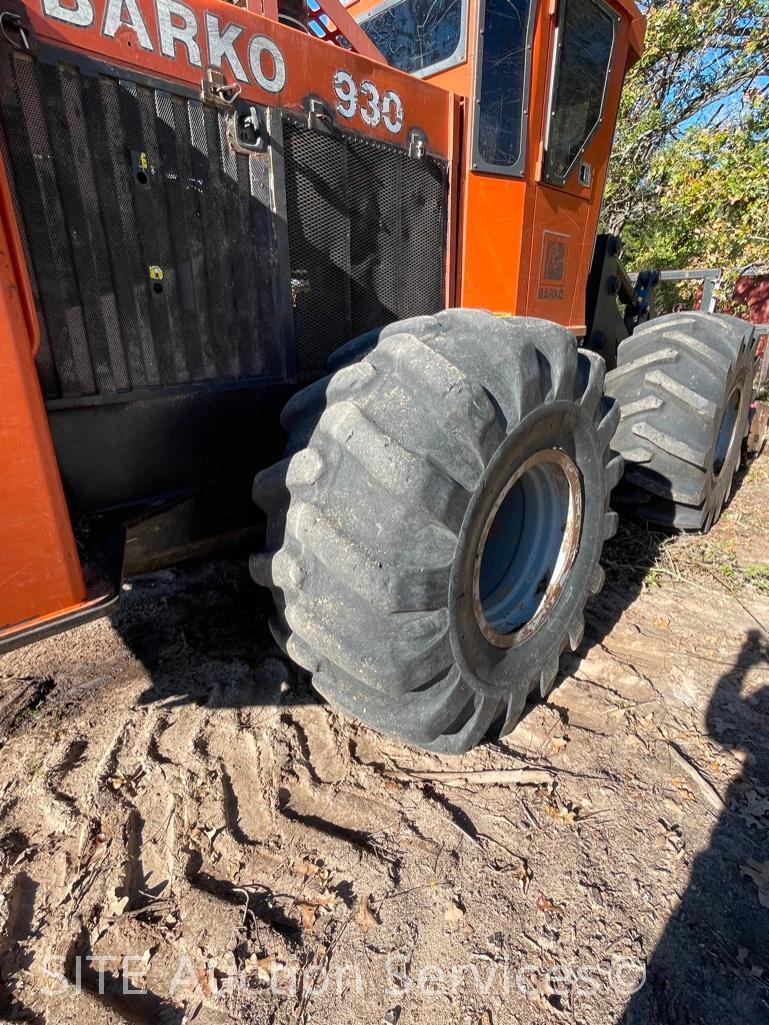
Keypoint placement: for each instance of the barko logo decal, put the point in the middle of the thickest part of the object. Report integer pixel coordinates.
(555, 251)
(181, 36)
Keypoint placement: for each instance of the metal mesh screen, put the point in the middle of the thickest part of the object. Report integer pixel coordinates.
(150, 242)
(367, 228)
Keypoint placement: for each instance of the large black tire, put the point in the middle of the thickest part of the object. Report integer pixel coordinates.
(684, 386)
(376, 514)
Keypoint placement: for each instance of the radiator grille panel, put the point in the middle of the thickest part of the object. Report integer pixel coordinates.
(113, 179)
(94, 223)
(366, 227)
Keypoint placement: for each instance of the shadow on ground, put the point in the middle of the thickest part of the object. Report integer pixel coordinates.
(201, 632)
(201, 629)
(707, 967)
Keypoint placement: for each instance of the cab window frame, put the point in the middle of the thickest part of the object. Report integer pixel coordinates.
(547, 175)
(458, 56)
(516, 169)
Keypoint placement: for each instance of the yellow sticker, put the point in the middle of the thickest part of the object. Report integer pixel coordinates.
(143, 162)
(156, 273)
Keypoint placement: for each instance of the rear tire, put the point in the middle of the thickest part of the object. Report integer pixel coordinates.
(684, 386)
(455, 436)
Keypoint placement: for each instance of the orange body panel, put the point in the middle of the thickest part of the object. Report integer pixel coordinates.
(511, 224)
(40, 573)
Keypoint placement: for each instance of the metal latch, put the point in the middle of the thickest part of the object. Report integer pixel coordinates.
(319, 115)
(216, 90)
(417, 143)
(247, 130)
(300, 285)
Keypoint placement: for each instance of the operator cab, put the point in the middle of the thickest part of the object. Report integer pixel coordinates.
(426, 38)
(539, 84)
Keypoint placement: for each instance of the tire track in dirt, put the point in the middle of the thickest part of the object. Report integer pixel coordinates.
(17, 918)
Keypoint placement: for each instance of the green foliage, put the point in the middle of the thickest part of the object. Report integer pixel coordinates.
(713, 205)
(757, 573)
(689, 178)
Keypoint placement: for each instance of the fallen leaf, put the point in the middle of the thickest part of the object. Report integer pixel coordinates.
(744, 968)
(307, 868)
(227, 965)
(311, 910)
(263, 967)
(754, 809)
(364, 917)
(549, 906)
(759, 873)
(566, 814)
(117, 907)
(681, 786)
(540, 991)
(453, 914)
(308, 913)
(524, 876)
(206, 980)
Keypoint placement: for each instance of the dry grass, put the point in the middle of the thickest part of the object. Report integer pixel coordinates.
(646, 557)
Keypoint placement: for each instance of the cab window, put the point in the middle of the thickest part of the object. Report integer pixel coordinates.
(418, 35)
(583, 56)
(502, 84)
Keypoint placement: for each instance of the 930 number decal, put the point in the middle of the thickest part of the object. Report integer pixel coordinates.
(365, 100)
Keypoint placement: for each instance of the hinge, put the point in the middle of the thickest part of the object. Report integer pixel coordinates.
(540, 167)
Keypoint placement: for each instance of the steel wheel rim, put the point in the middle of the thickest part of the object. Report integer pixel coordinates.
(727, 431)
(527, 548)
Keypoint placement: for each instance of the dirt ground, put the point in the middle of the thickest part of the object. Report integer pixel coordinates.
(180, 815)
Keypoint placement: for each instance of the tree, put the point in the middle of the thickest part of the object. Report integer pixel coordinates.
(689, 177)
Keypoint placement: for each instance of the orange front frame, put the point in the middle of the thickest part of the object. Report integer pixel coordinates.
(39, 566)
(273, 65)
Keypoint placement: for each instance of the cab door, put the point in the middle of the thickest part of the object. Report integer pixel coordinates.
(587, 66)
